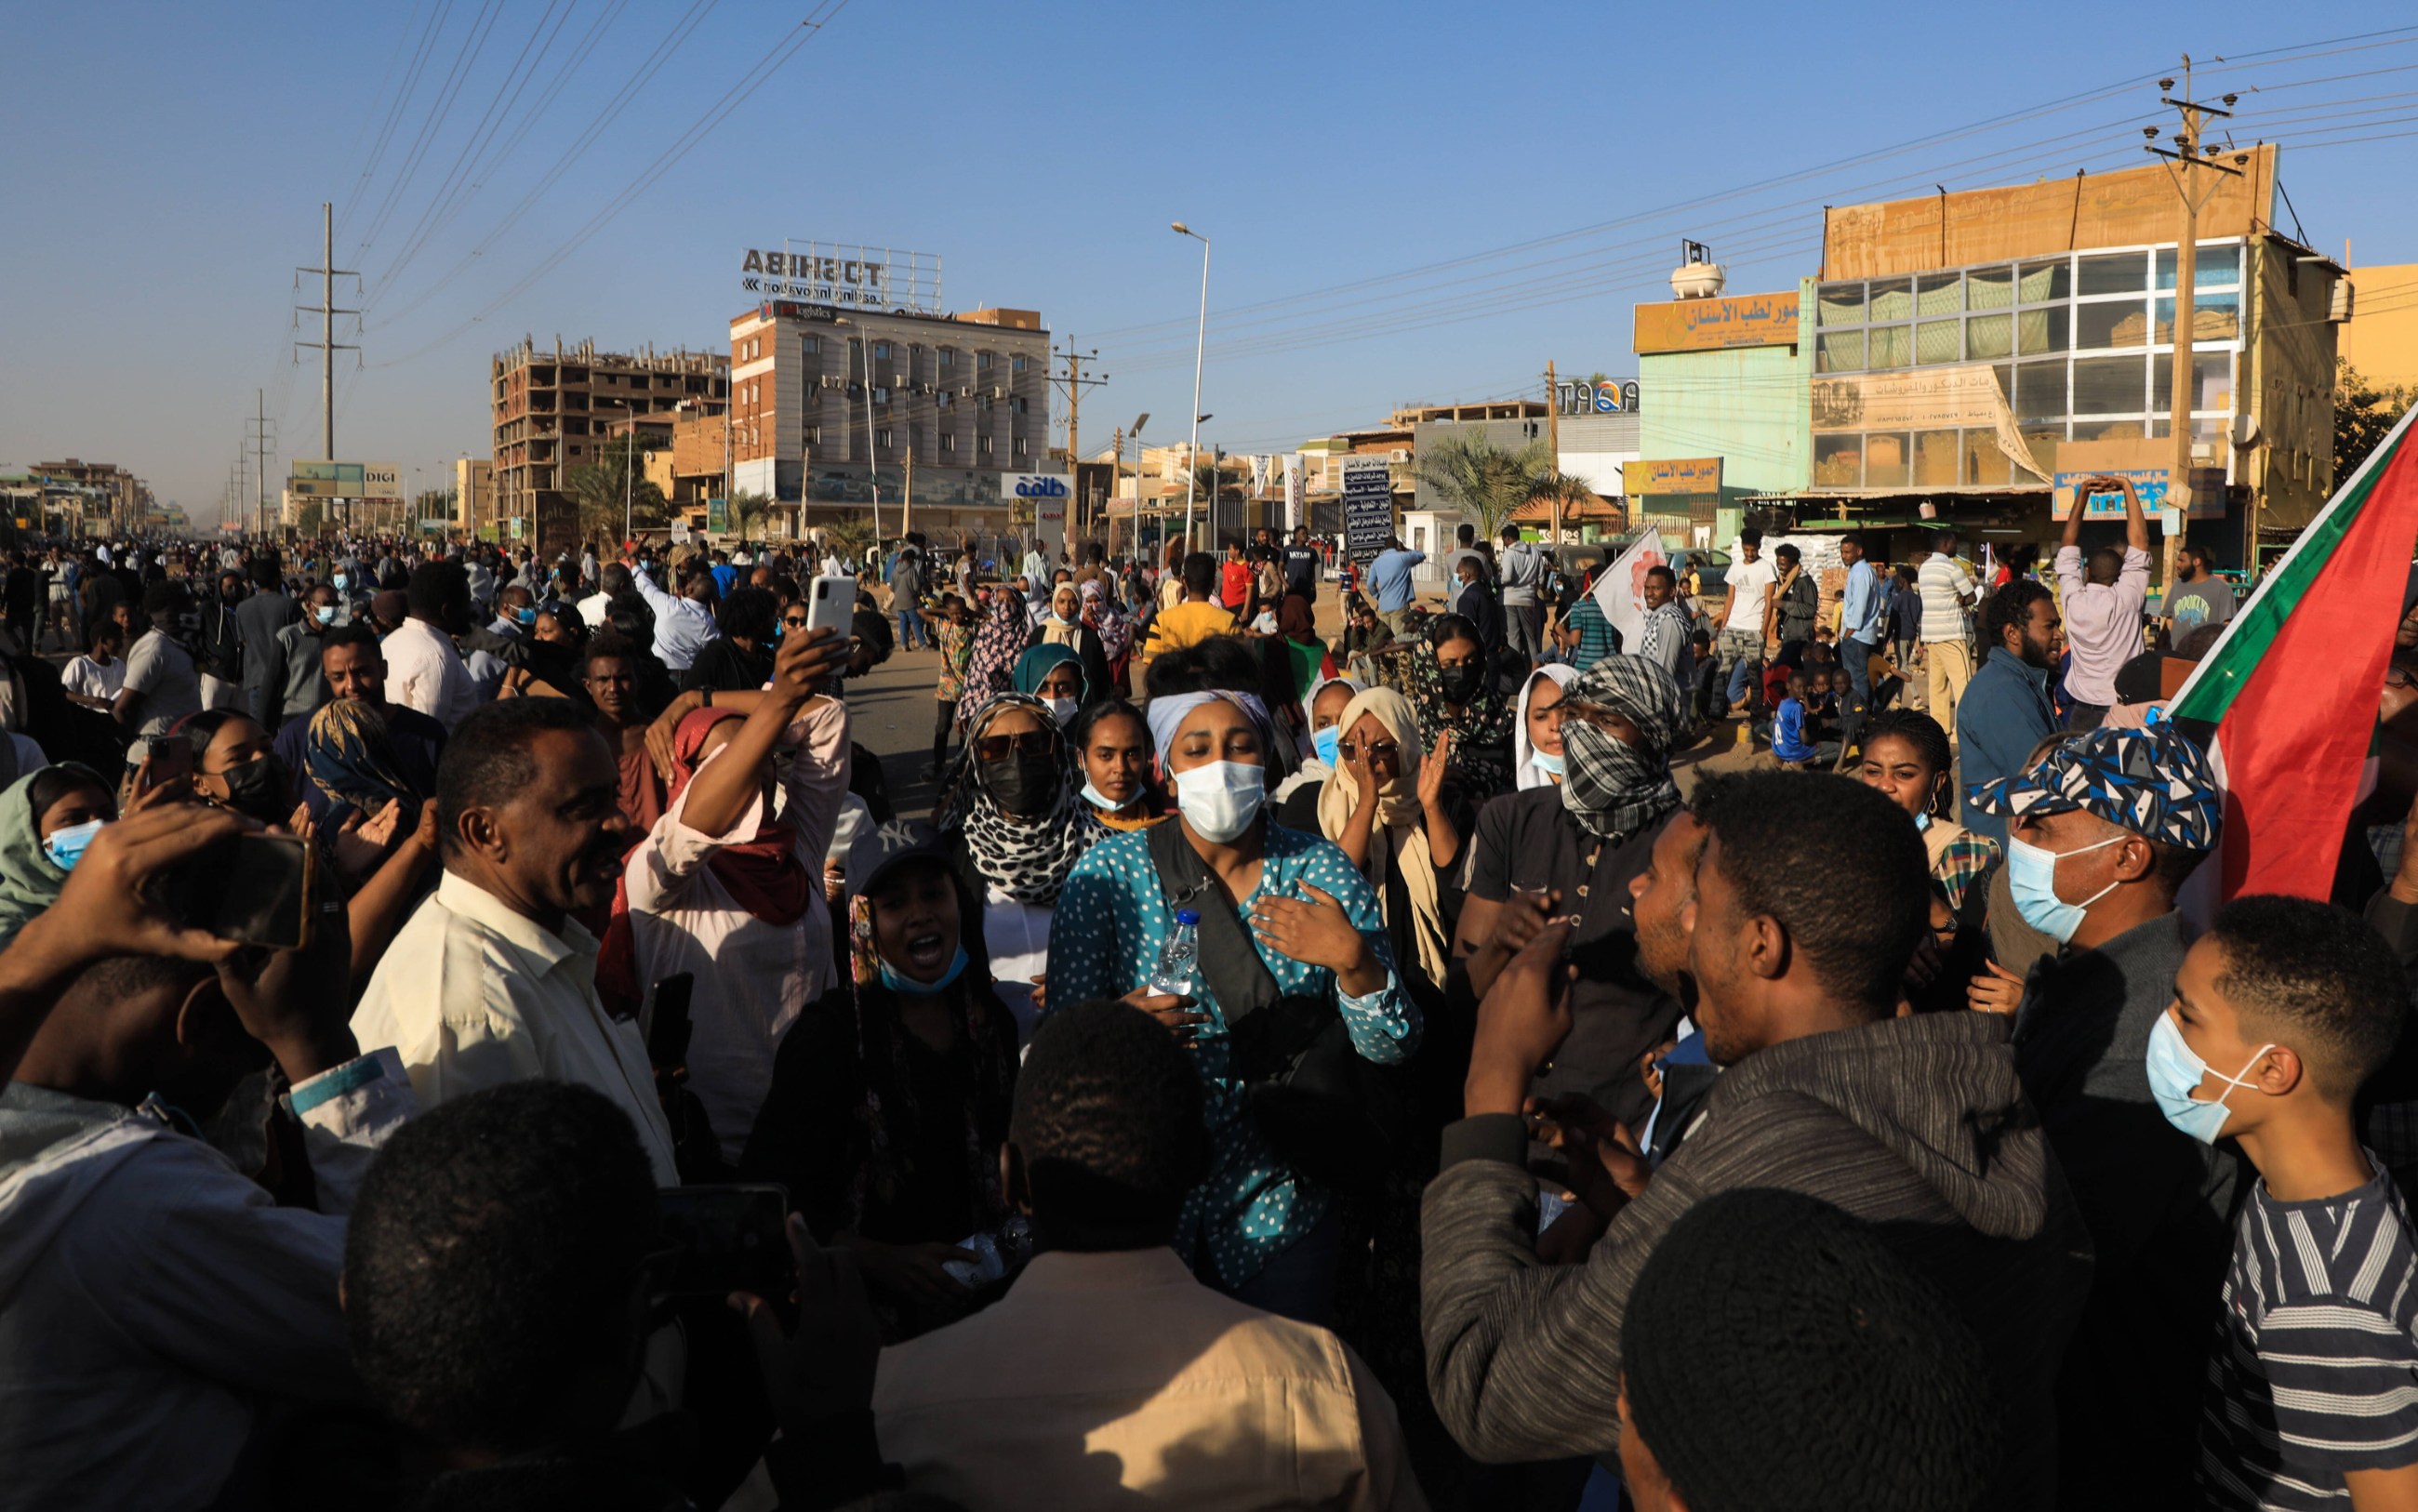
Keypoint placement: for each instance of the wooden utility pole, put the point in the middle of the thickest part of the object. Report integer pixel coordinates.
(1553, 439)
(2190, 153)
(1072, 383)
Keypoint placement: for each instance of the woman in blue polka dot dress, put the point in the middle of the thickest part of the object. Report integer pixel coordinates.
(1254, 1227)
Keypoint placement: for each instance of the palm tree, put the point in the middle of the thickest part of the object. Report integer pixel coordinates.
(748, 506)
(1564, 491)
(613, 484)
(851, 537)
(1483, 481)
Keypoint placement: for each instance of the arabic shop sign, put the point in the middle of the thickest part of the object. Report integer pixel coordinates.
(1672, 475)
(1711, 324)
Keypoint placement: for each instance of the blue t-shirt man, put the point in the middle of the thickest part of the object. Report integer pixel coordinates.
(725, 578)
(1390, 575)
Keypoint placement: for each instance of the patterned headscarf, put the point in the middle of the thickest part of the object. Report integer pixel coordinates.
(1107, 622)
(1612, 788)
(351, 758)
(1026, 859)
(1398, 840)
(992, 662)
(1479, 731)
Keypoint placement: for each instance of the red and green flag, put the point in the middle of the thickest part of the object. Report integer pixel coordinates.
(2292, 685)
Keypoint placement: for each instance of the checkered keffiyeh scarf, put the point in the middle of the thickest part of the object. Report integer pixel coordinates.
(1614, 789)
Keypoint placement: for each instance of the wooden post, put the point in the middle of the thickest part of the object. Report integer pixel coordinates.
(1554, 442)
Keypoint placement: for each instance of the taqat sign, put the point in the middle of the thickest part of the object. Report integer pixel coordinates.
(1034, 485)
(844, 275)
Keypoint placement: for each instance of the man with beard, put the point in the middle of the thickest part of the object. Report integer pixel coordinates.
(1915, 1124)
(493, 979)
(354, 669)
(2005, 710)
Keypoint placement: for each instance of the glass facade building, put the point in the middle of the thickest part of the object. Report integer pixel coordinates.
(2080, 344)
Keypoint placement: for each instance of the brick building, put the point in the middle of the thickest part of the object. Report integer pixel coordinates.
(551, 412)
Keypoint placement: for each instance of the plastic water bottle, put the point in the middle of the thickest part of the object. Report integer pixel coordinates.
(1174, 974)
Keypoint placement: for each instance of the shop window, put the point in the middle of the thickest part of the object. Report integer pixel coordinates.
(2040, 392)
(1938, 340)
(2045, 281)
(1890, 346)
(2215, 317)
(1889, 299)
(2212, 267)
(1887, 461)
(1838, 461)
(2211, 382)
(1940, 293)
(2043, 441)
(2116, 323)
(1841, 304)
(2041, 331)
(1838, 351)
(1935, 459)
(2110, 386)
(1985, 465)
(1990, 288)
(1988, 338)
(2113, 273)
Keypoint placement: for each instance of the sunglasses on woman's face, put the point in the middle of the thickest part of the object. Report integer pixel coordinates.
(794, 621)
(996, 747)
(1377, 750)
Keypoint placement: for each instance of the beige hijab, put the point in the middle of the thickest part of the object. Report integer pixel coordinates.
(1055, 632)
(1400, 836)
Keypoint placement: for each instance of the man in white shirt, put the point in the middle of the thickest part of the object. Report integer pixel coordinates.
(597, 608)
(1748, 618)
(684, 622)
(425, 669)
(163, 685)
(1948, 597)
(491, 979)
(1108, 1376)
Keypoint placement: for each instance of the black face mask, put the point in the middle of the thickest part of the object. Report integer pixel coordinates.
(1023, 785)
(1460, 683)
(261, 789)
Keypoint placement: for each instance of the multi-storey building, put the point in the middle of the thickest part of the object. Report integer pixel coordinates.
(474, 493)
(549, 412)
(829, 404)
(124, 500)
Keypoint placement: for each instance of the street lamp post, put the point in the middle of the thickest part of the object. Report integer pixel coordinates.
(1140, 420)
(1200, 350)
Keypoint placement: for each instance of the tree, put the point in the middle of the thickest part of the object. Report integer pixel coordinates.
(1483, 481)
(748, 507)
(2365, 414)
(851, 537)
(431, 502)
(612, 483)
(1568, 490)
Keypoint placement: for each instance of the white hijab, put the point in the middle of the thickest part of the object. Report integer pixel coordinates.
(1523, 756)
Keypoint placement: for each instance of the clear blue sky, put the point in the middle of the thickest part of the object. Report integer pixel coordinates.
(169, 160)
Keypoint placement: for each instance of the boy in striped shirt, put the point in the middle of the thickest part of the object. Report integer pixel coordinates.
(2281, 1011)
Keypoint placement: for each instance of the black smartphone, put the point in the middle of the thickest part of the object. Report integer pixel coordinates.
(725, 1239)
(252, 887)
(668, 1029)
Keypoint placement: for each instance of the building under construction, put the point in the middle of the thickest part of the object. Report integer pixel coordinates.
(551, 413)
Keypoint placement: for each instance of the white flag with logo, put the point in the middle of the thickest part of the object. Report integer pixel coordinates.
(1620, 589)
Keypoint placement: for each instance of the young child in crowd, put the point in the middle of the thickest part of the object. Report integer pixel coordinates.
(953, 624)
(1791, 743)
(2282, 1011)
(1712, 678)
(94, 681)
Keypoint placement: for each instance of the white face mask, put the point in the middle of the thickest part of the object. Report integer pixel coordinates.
(1063, 710)
(1220, 799)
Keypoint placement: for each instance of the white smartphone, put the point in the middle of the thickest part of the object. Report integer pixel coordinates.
(831, 603)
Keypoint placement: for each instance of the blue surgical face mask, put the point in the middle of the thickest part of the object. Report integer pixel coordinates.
(1923, 821)
(325, 614)
(66, 846)
(341, 582)
(1324, 742)
(525, 618)
(1548, 763)
(907, 986)
(2174, 1073)
(2031, 877)
(1099, 800)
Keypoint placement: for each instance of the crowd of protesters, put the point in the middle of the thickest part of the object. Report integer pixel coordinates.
(1323, 1049)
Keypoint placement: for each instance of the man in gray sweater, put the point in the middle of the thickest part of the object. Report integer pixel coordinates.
(1918, 1125)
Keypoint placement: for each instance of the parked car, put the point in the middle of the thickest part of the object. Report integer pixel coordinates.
(1712, 566)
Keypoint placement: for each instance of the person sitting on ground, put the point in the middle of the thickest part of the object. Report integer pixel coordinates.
(156, 1301)
(1790, 744)
(1916, 1124)
(1108, 1351)
(497, 1278)
(1775, 1349)
(2282, 1012)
